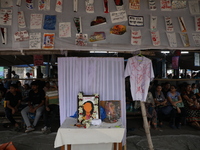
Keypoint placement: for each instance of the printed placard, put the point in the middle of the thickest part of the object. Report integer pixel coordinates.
(89, 6)
(59, 4)
(196, 59)
(165, 5)
(38, 60)
(179, 4)
(48, 40)
(153, 23)
(136, 21)
(185, 39)
(197, 23)
(81, 39)
(49, 22)
(196, 38)
(134, 4)
(29, 4)
(182, 24)
(194, 7)
(118, 16)
(155, 37)
(35, 41)
(152, 4)
(169, 24)
(64, 29)
(5, 17)
(21, 20)
(6, 3)
(172, 39)
(136, 37)
(44, 5)
(36, 21)
(21, 36)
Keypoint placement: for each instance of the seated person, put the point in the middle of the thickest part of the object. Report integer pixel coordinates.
(36, 100)
(51, 109)
(12, 99)
(178, 112)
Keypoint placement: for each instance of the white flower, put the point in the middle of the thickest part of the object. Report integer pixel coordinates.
(87, 124)
(80, 109)
(95, 108)
(80, 103)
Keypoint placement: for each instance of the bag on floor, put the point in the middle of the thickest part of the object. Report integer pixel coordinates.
(7, 146)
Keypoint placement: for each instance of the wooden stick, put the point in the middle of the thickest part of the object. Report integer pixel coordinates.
(146, 126)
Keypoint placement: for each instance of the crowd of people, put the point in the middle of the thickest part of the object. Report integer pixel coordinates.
(177, 104)
(34, 99)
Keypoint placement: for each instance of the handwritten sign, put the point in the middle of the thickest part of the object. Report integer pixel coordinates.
(134, 4)
(196, 38)
(197, 23)
(136, 37)
(155, 38)
(172, 39)
(21, 36)
(136, 21)
(35, 41)
(118, 16)
(5, 17)
(169, 24)
(185, 39)
(21, 20)
(36, 21)
(59, 4)
(165, 5)
(64, 29)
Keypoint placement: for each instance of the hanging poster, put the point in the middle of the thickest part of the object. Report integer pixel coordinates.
(6, 3)
(59, 4)
(185, 39)
(175, 62)
(172, 39)
(136, 21)
(29, 4)
(155, 37)
(97, 36)
(99, 20)
(77, 22)
(179, 4)
(64, 29)
(44, 5)
(197, 23)
(5, 17)
(18, 3)
(106, 7)
(136, 37)
(118, 16)
(134, 4)
(36, 21)
(4, 35)
(48, 40)
(49, 22)
(21, 36)
(21, 20)
(169, 24)
(196, 59)
(152, 4)
(165, 5)
(75, 4)
(119, 5)
(196, 38)
(35, 41)
(118, 29)
(153, 23)
(38, 60)
(81, 39)
(182, 24)
(89, 6)
(194, 7)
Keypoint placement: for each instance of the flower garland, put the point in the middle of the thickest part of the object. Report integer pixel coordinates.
(83, 119)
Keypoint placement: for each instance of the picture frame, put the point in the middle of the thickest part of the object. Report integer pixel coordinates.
(113, 111)
(88, 108)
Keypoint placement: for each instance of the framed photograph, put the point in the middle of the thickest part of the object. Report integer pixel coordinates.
(88, 108)
(113, 111)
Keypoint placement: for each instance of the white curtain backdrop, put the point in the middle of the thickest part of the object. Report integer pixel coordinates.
(90, 75)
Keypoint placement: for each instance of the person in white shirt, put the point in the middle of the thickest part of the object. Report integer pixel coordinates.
(28, 77)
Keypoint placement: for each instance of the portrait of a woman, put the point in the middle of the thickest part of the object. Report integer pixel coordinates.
(88, 109)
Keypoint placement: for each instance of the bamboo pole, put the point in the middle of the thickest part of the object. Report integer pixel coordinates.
(146, 126)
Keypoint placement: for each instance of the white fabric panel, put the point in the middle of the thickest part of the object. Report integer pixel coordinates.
(104, 76)
(112, 42)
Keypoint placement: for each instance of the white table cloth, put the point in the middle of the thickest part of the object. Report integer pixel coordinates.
(105, 133)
